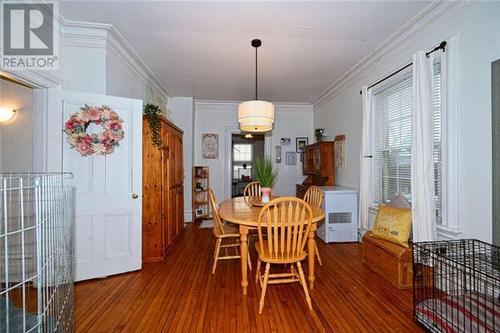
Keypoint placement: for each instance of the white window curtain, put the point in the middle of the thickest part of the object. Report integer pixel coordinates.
(365, 182)
(422, 165)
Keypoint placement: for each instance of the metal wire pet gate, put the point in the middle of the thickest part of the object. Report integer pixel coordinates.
(36, 253)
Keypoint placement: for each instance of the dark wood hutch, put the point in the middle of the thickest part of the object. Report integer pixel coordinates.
(318, 165)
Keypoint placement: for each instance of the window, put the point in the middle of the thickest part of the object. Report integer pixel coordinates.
(239, 171)
(392, 141)
(437, 104)
(392, 123)
(242, 152)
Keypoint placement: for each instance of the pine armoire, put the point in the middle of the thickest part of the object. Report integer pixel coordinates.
(163, 191)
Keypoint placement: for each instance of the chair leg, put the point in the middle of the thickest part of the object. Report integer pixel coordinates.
(264, 287)
(216, 254)
(317, 254)
(304, 284)
(249, 260)
(257, 271)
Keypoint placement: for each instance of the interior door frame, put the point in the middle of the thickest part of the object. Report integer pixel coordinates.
(229, 131)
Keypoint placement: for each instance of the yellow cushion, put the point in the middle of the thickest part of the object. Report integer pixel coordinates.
(393, 224)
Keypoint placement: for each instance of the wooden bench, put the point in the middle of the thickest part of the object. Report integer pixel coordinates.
(391, 261)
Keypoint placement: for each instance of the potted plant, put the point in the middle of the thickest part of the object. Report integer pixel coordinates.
(319, 133)
(266, 175)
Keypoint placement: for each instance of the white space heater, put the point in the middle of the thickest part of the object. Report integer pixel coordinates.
(340, 205)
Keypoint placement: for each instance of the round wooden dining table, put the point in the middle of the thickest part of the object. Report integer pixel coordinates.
(238, 211)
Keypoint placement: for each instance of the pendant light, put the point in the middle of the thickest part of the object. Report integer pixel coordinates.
(256, 116)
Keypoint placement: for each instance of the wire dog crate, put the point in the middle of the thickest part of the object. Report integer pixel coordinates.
(457, 286)
(36, 253)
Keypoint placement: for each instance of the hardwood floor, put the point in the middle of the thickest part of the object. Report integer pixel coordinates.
(181, 295)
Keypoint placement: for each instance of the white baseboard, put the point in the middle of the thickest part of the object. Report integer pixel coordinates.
(188, 216)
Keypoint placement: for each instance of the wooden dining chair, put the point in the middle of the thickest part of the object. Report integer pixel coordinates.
(223, 231)
(287, 222)
(314, 197)
(251, 190)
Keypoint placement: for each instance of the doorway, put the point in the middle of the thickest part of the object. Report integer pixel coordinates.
(246, 148)
(16, 126)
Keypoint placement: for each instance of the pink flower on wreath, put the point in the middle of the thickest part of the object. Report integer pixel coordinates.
(92, 114)
(114, 125)
(70, 124)
(106, 112)
(114, 116)
(115, 135)
(87, 139)
(84, 148)
(81, 117)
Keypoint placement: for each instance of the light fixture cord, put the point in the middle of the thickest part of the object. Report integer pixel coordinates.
(256, 73)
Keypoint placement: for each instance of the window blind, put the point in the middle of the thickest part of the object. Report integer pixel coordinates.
(437, 137)
(392, 141)
(391, 148)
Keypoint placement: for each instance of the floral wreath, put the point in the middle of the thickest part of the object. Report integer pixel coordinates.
(100, 143)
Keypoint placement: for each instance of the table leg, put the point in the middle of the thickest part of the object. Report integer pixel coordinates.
(310, 256)
(244, 255)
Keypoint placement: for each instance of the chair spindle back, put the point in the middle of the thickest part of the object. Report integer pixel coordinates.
(314, 196)
(287, 222)
(251, 190)
(218, 225)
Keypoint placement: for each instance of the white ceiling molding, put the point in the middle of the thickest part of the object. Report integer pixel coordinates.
(213, 105)
(432, 16)
(83, 34)
(106, 36)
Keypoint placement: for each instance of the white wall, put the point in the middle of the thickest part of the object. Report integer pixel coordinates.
(182, 109)
(476, 31)
(97, 59)
(16, 135)
(220, 117)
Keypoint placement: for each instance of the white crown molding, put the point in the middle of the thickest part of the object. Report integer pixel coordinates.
(106, 36)
(84, 34)
(215, 105)
(433, 15)
(120, 47)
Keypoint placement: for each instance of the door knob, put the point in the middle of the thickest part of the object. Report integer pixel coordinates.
(135, 196)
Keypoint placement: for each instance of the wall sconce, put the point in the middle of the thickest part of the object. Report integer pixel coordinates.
(6, 114)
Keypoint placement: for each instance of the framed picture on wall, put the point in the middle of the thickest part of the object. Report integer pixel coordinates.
(291, 158)
(301, 144)
(210, 146)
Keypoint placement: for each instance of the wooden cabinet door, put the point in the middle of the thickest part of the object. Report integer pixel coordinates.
(316, 160)
(167, 226)
(177, 176)
(307, 162)
(152, 205)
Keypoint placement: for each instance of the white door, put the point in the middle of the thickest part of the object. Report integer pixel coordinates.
(108, 189)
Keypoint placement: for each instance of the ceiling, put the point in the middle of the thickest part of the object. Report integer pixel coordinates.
(202, 49)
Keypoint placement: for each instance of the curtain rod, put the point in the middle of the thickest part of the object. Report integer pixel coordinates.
(441, 46)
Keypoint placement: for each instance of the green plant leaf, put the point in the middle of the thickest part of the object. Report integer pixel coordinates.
(265, 173)
(152, 113)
